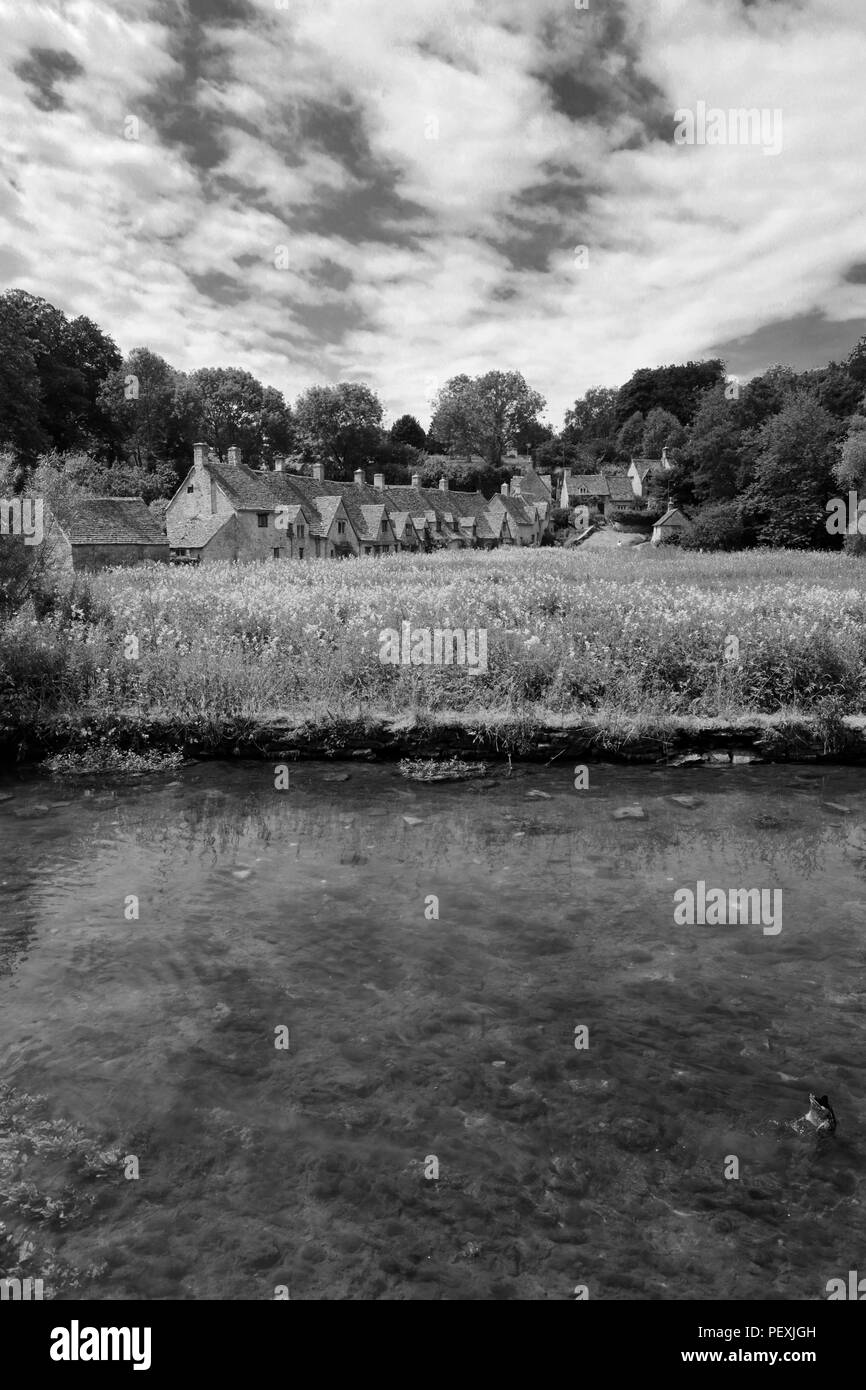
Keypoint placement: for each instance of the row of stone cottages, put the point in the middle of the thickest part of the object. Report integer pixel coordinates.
(228, 511)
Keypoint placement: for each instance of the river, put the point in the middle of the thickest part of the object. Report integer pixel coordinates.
(328, 1041)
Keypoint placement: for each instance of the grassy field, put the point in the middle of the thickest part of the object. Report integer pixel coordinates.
(619, 633)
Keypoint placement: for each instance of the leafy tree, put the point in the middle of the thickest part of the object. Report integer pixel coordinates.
(713, 463)
(20, 393)
(593, 415)
(141, 399)
(629, 441)
(406, 430)
(662, 430)
(676, 388)
(339, 425)
(485, 414)
(794, 475)
(227, 406)
(855, 362)
(71, 358)
(718, 526)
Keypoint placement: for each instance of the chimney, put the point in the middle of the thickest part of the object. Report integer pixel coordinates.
(515, 487)
(319, 472)
(504, 489)
(416, 479)
(443, 484)
(379, 480)
(199, 455)
(359, 476)
(234, 456)
(279, 464)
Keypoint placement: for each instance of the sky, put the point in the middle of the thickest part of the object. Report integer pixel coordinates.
(397, 191)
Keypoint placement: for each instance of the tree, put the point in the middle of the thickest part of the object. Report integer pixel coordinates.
(71, 358)
(718, 526)
(713, 463)
(676, 388)
(339, 425)
(850, 468)
(662, 430)
(591, 422)
(406, 430)
(629, 441)
(485, 414)
(20, 393)
(140, 398)
(793, 475)
(226, 406)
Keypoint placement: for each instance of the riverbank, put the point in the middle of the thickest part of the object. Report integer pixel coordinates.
(130, 742)
(529, 654)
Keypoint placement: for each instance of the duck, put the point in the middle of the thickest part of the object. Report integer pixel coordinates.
(819, 1117)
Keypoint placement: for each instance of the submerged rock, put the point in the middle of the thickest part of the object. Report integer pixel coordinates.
(440, 770)
(629, 813)
(689, 801)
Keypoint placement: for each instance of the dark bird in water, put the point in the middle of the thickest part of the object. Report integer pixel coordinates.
(819, 1116)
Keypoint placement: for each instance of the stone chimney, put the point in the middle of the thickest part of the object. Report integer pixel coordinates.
(515, 487)
(379, 480)
(319, 472)
(279, 464)
(199, 455)
(504, 489)
(416, 480)
(359, 476)
(443, 484)
(234, 456)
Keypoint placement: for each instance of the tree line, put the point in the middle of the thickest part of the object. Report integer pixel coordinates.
(753, 463)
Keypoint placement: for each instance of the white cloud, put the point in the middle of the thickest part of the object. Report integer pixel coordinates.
(687, 246)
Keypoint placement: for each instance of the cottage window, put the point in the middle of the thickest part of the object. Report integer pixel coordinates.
(276, 552)
(191, 487)
(341, 528)
(262, 519)
(367, 550)
(300, 531)
(301, 553)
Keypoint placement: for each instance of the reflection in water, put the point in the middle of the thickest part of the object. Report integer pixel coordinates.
(412, 1036)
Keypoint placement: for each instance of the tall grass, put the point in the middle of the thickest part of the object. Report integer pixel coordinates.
(635, 632)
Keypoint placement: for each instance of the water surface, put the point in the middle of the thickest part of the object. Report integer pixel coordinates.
(412, 1038)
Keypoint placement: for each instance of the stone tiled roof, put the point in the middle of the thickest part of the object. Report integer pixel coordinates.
(620, 487)
(114, 521)
(515, 508)
(194, 532)
(593, 485)
(534, 487)
(245, 489)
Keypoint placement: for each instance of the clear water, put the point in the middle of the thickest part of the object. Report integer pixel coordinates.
(154, 1039)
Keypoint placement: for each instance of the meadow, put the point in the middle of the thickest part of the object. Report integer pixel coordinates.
(619, 634)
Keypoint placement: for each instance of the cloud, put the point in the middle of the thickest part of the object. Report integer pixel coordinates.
(393, 192)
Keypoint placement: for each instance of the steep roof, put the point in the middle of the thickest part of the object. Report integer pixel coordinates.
(644, 466)
(245, 489)
(586, 484)
(535, 487)
(191, 533)
(620, 487)
(670, 514)
(114, 521)
(515, 508)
